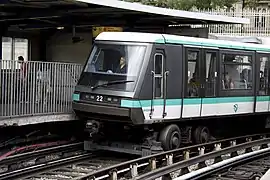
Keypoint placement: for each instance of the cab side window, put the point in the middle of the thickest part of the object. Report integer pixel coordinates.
(158, 69)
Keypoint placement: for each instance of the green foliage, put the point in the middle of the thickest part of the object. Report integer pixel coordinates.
(251, 3)
(199, 4)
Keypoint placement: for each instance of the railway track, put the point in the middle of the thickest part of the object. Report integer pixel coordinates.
(12, 137)
(250, 170)
(15, 163)
(74, 168)
(171, 164)
(240, 161)
(69, 160)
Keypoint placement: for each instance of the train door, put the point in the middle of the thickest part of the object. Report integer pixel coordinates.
(262, 83)
(159, 79)
(209, 81)
(193, 83)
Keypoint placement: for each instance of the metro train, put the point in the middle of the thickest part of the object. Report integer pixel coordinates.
(161, 90)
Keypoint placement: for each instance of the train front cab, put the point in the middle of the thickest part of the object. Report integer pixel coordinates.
(168, 83)
(112, 78)
(140, 95)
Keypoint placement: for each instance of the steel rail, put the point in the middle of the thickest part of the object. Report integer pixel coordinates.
(152, 162)
(45, 166)
(42, 152)
(211, 169)
(200, 159)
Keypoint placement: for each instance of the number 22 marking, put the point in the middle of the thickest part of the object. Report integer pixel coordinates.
(100, 98)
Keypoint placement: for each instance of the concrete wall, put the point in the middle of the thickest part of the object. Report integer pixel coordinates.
(34, 54)
(60, 48)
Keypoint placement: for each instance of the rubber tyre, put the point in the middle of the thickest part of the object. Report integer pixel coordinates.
(197, 135)
(166, 135)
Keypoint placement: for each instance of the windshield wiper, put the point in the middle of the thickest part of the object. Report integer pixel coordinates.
(110, 83)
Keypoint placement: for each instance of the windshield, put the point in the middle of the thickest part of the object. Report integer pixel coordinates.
(109, 63)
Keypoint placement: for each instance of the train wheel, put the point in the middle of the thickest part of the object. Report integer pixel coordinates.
(201, 135)
(170, 137)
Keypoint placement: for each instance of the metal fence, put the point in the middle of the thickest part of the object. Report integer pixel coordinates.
(32, 88)
(259, 22)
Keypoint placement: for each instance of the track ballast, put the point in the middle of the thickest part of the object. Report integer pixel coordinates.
(176, 163)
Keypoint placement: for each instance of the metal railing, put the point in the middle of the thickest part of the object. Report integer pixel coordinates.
(259, 22)
(32, 88)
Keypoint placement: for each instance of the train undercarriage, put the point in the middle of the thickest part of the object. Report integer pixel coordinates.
(150, 139)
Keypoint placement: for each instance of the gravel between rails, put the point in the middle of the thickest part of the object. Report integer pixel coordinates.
(78, 167)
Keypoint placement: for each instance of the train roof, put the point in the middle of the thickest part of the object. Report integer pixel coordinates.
(176, 39)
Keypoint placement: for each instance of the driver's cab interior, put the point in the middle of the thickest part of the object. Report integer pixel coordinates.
(110, 61)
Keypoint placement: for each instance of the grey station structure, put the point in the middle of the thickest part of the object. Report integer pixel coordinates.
(45, 44)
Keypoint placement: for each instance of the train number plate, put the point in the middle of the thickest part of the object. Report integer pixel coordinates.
(99, 98)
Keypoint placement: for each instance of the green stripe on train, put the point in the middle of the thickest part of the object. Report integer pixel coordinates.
(263, 98)
(177, 41)
(76, 97)
(191, 101)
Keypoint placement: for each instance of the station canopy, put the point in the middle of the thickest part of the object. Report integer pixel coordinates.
(43, 14)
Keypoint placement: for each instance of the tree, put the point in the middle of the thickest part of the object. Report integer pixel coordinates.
(250, 3)
(199, 4)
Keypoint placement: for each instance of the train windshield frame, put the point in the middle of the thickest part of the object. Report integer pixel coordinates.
(114, 66)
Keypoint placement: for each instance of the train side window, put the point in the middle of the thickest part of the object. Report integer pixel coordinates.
(211, 73)
(263, 87)
(193, 81)
(158, 69)
(236, 71)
